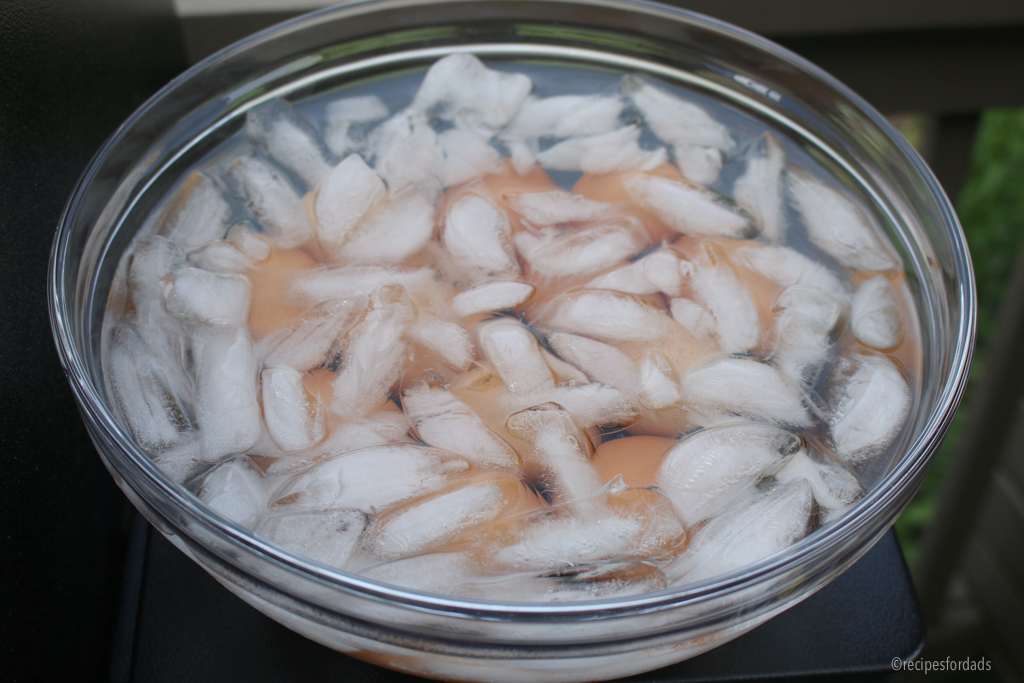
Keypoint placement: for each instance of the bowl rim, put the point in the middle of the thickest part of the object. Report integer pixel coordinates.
(909, 467)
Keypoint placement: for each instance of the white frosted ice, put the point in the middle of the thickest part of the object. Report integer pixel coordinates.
(235, 489)
(316, 340)
(342, 114)
(675, 120)
(227, 412)
(405, 150)
(478, 235)
(607, 316)
(555, 206)
(348, 194)
(447, 339)
(557, 447)
(221, 257)
(198, 295)
(295, 420)
(659, 384)
(248, 242)
(326, 537)
(663, 270)
(746, 386)
(787, 267)
(611, 152)
(595, 404)
(153, 259)
(271, 197)
(429, 524)
(564, 116)
(495, 295)
(515, 353)
(460, 89)
(746, 534)
(197, 214)
(601, 362)
(707, 470)
(399, 228)
(839, 226)
(761, 189)
(444, 422)
(466, 156)
(701, 165)
(690, 209)
(730, 303)
(581, 252)
(836, 488)
(372, 479)
(870, 406)
(694, 317)
(157, 413)
(289, 139)
(876, 318)
(373, 353)
(808, 321)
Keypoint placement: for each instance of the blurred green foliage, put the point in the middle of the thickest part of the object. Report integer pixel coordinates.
(991, 210)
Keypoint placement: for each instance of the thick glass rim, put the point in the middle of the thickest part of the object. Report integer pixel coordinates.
(909, 467)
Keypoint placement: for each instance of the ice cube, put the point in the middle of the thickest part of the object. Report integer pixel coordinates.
(227, 411)
(197, 214)
(295, 420)
(444, 422)
(342, 114)
(466, 156)
(787, 267)
(349, 192)
(565, 373)
(289, 139)
(693, 317)
(496, 295)
(564, 116)
(876, 318)
(235, 489)
(448, 340)
(154, 257)
(317, 338)
(746, 534)
(522, 155)
(602, 581)
(808, 321)
(870, 405)
(372, 479)
(747, 386)
(600, 361)
(344, 282)
(610, 152)
(326, 537)
(558, 448)
(607, 316)
(478, 236)
(459, 88)
(373, 353)
(221, 257)
(406, 151)
(581, 252)
(701, 165)
(662, 270)
(760, 189)
(690, 209)
(595, 404)
(675, 120)
(434, 521)
(659, 385)
(710, 468)
(198, 295)
(515, 353)
(836, 488)
(716, 286)
(156, 413)
(441, 573)
(248, 242)
(280, 211)
(839, 226)
(555, 206)
(613, 525)
(399, 228)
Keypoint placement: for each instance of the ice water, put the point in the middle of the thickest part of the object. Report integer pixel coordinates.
(518, 332)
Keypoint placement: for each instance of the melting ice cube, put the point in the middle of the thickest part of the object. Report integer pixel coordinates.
(747, 386)
(496, 295)
(399, 228)
(675, 120)
(761, 188)
(876, 317)
(198, 213)
(585, 251)
(787, 267)
(515, 353)
(317, 339)
(611, 152)
(280, 211)
(662, 270)
(236, 490)
(690, 209)
(295, 420)
(555, 206)
(871, 404)
(564, 116)
(326, 537)
(807, 322)
(349, 192)
(478, 235)
(836, 488)
(289, 139)
(198, 295)
(607, 316)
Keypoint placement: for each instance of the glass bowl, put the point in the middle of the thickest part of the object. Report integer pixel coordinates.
(461, 639)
